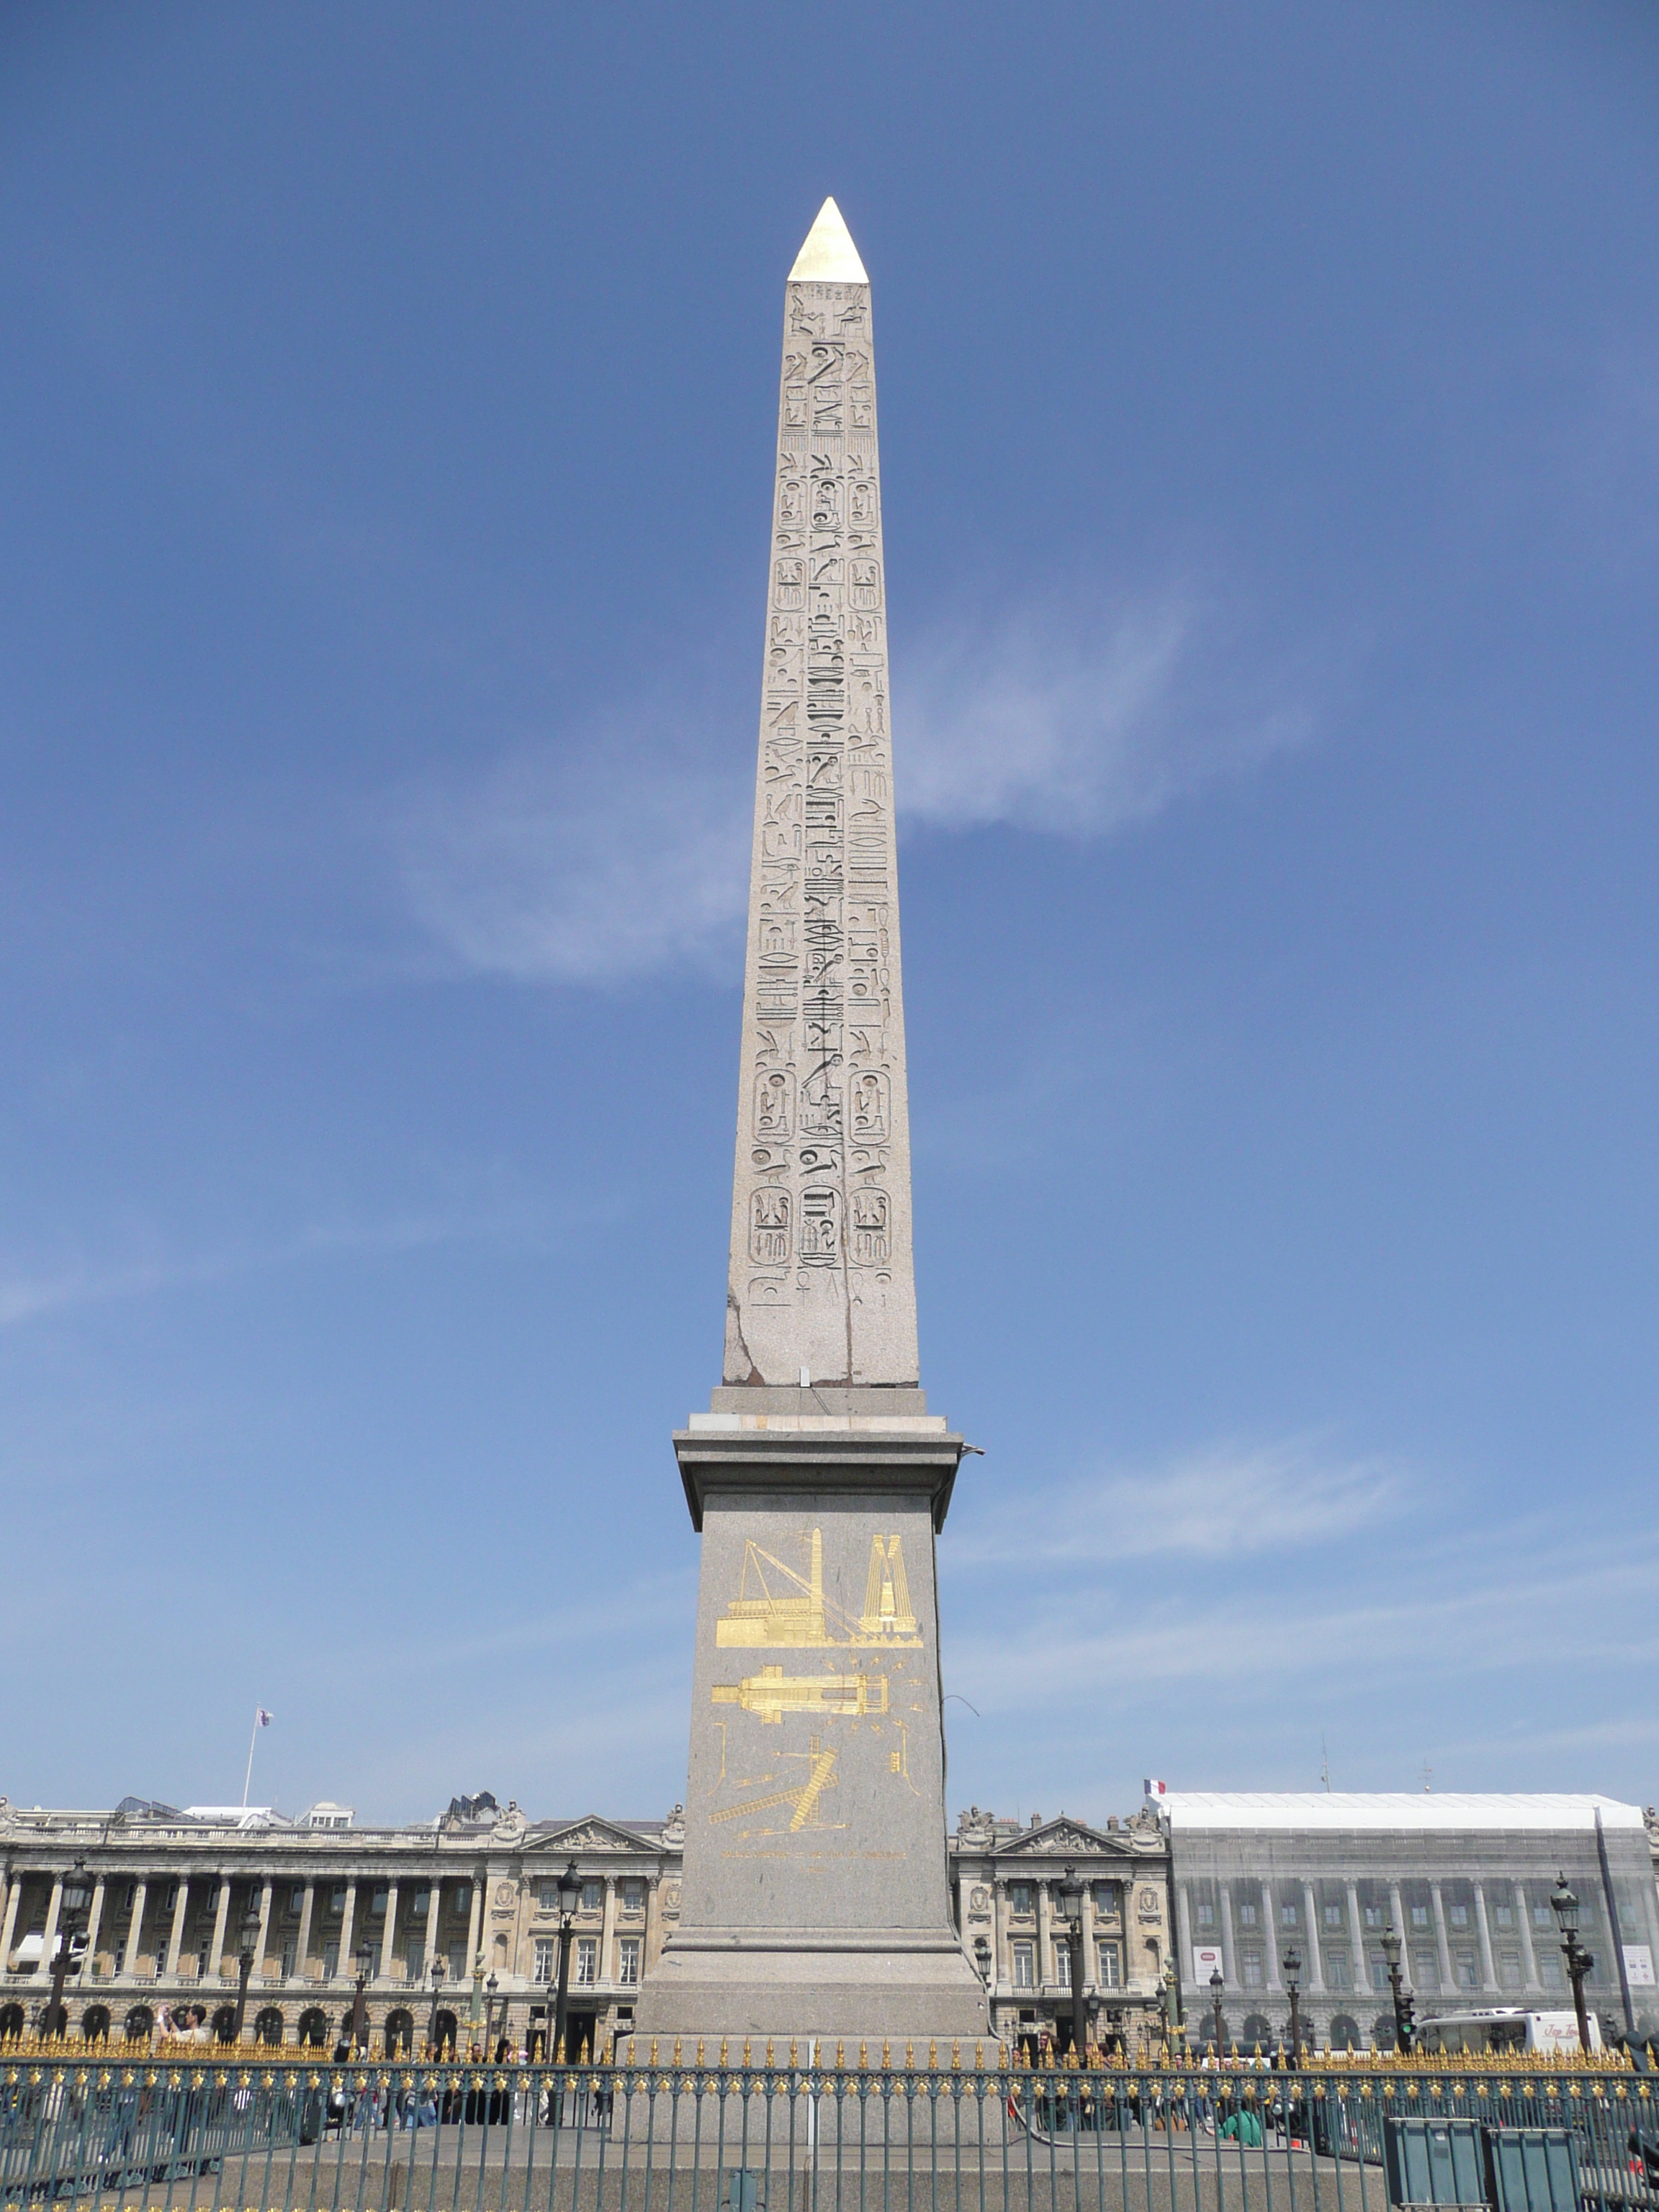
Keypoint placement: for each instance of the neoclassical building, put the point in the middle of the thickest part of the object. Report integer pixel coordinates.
(454, 1923)
(175, 1899)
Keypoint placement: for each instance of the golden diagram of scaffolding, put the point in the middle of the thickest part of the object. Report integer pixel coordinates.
(777, 1606)
(772, 1693)
(820, 1777)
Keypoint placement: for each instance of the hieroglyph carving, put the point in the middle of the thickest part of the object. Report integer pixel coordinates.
(822, 1276)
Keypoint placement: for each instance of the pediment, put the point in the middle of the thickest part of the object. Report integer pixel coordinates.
(1065, 1838)
(591, 1834)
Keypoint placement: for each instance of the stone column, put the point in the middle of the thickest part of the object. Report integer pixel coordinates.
(43, 1972)
(1316, 1968)
(1091, 1962)
(1270, 1914)
(1488, 1971)
(9, 1929)
(308, 1904)
(1398, 1911)
(1002, 1963)
(652, 1923)
(176, 1933)
(1523, 1921)
(264, 1927)
(1442, 1948)
(1047, 1974)
(608, 1932)
(220, 1917)
(1229, 1950)
(474, 1926)
(135, 1926)
(1362, 1963)
(389, 1933)
(94, 1922)
(1182, 1936)
(348, 1965)
(434, 1903)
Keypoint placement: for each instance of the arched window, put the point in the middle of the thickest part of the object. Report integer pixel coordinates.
(268, 2027)
(11, 2022)
(448, 2027)
(399, 2033)
(139, 2025)
(1382, 2034)
(1345, 2034)
(313, 2027)
(94, 2024)
(1258, 2030)
(224, 2024)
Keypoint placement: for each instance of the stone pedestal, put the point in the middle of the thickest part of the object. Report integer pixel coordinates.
(814, 1900)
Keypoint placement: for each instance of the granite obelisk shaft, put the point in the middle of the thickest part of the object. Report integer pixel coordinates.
(814, 1898)
(821, 1281)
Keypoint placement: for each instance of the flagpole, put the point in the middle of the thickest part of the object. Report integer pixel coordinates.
(247, 1779)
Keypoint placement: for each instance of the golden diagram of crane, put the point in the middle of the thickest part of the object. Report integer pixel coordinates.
(781, 1606)
(820, 1777)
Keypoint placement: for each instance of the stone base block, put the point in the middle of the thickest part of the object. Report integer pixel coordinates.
(866, 1987)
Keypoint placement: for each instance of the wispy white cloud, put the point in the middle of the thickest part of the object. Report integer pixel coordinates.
(607, 857)
(1085, 713)
(621, 849)
(1223, 1503)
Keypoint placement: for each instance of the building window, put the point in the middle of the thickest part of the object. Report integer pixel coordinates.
(1549, 1970)
(1287, 1916)
(627, 1960)
(377, 1904)
(547, 1896)
(290, 1955)
(1509, 1969)
(420, 1902)
(1206, 1916)
(415, 1963)
(547, 1958)
(171, 1897)
(1108, 1966)
(1108, 1899)
(1332, 1916)
(130, 1897)
(1425, 1971)
(587, 1961)
(1504, 1915)
(1246, 1915)
(337, 1898)
(1250, 1961)
(1024, 1974)
(1019, 1897)
(330, 1961)
(1336, 1969)
(1379, 1970)
(1460, 1916)
(1063, 1964)
(296, 1899)
(1541, 1916)
(1420, 1916)
(592, 1896)
(1373, 1916)
(1468, 1973)
(633, 1896)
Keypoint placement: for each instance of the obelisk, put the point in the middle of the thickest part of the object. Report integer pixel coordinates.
(814, 1899)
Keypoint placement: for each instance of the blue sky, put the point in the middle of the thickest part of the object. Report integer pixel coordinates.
(1270, 410)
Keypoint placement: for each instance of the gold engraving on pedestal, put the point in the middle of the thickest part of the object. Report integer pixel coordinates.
(765, 1612)
(772, 1693)
(820, 1777)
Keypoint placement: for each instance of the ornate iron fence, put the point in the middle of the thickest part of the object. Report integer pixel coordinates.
(139, 2133)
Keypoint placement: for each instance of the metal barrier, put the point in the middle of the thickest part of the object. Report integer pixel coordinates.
(137, 2134)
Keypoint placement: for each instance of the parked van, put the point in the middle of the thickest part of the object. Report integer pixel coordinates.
(1506, 2028)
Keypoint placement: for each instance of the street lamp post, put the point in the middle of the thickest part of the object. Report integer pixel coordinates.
(1216, 1987)
(250, 1930)
(359, 2010)
(1071, 1905)
(570, 1896)
(70, 1906)
(437, 1992)
(1404, 2021)
(1291, 1962)
(1579, 1961)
